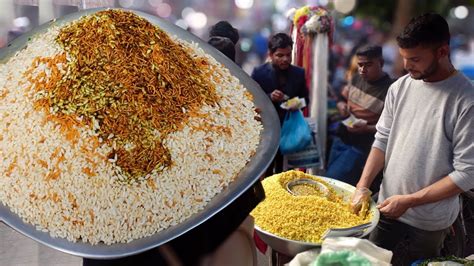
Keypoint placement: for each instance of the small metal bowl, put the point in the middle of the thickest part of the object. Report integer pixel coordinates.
(318, 187)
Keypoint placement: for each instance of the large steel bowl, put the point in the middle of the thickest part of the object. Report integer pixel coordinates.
(291, 247)
(246, 178)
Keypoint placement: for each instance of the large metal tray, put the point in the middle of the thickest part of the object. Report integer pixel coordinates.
(259, 162)
(292, 247)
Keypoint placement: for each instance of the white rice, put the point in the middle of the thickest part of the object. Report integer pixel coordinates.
(100, 209)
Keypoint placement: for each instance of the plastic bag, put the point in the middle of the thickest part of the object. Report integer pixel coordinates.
(376, 255)
(341, 258)
(295, 133)
(344, 251)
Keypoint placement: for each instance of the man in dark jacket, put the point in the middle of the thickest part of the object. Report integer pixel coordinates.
(281, 81)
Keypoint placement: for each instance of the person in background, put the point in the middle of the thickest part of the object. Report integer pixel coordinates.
(352, 71)
(424, 143)
(344, 78)
(224, 45)
(363, 98)
(281, 81)
(224, 29)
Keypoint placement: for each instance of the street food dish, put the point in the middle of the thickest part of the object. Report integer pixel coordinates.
(303, 217)
(112, 130)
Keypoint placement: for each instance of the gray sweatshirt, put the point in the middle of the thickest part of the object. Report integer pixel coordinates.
(427, 132)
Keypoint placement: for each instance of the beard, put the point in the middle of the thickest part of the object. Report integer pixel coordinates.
(281, 66)
(425, 74)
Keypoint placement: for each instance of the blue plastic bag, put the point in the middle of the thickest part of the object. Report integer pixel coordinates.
(295, 133)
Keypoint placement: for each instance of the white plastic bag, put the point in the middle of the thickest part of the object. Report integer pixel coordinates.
(376, 255)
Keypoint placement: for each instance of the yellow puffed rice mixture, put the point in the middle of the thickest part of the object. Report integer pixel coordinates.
(302, 218)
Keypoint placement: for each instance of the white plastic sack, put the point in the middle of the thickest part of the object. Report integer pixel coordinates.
(376, 255)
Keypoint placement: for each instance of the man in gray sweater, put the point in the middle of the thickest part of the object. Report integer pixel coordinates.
(424, 143)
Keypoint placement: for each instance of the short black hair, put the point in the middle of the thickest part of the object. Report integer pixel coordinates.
(224, 29)
(224, 45)
(370, 51)
(279, 40)
(426, 30)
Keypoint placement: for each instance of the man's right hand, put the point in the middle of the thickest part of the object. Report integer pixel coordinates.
(360, 199)
(343, 109)
(277, 96)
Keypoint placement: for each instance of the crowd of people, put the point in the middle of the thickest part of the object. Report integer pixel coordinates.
(410, 138)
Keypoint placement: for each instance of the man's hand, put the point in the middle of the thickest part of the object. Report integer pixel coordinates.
(360, 198)
(277, 96)
(395, 206)
(343, 109)
(359, 128)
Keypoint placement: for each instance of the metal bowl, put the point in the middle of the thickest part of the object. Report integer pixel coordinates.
(246, 178)
(292, 247)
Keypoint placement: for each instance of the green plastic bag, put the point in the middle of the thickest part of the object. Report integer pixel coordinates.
(341, 258)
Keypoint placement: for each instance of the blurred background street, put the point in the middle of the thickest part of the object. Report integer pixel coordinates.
(356, 22)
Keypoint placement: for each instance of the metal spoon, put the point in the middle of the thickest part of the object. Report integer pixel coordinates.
(306, 181)
(355, 231)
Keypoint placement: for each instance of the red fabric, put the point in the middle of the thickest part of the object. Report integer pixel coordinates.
(261, 246)
(308, 67)
(304, 48)
(299, 49)
(300, 41)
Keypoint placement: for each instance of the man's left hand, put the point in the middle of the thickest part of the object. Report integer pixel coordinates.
(395, 206)
(359, 128)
